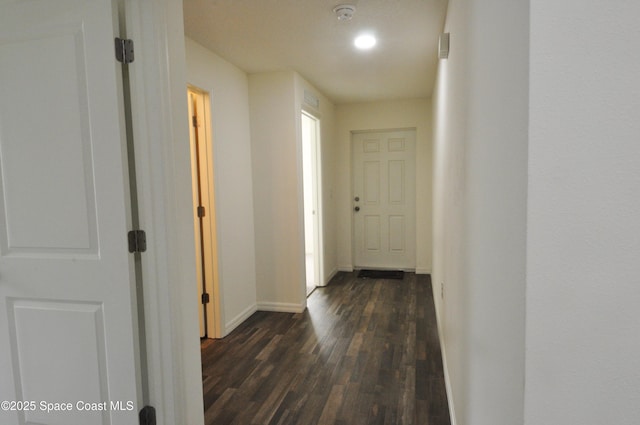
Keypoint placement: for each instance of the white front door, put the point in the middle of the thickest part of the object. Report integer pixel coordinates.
(383, 204)
(67, 298)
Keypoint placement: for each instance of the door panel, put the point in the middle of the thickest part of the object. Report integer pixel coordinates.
(384, 199)
(372, 233)
(67, 294)
(371, 183)
(75, 230)
(397, 180)
(73, 363)
(397, 242)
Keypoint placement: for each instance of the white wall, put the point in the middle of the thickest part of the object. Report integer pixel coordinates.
(449, 205)
(276, 138)
(278, 225)
(583, 260)
(381, 115)
(228, 87)
(481, 111)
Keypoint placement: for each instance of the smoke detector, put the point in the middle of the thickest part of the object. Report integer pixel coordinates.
(344, 12)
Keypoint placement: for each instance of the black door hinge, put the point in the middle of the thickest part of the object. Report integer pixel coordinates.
(124, 50)
(194, 121)
(201, 211)
(205, 298)
(137, 241)
(147, 415)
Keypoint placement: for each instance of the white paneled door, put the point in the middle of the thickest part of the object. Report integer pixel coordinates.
(383, 204)
(67, 298)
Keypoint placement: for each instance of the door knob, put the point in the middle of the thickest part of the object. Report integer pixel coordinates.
(356, 209)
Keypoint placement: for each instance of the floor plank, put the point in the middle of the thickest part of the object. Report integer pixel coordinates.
(366, 351)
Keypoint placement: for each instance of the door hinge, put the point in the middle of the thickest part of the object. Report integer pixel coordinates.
(200, 211)
(124, 50)
(147, 415)
(194, 121)
(137, 241)
(205, 298)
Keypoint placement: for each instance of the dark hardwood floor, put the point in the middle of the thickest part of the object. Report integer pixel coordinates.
(365, 352)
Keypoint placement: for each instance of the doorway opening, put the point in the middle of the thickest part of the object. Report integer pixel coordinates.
(312, 203)
(204, 212)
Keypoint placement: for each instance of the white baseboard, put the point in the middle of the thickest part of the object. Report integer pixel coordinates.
(236, 321)
(331, 276)
(447, 384)
(281, 307)
(408, 270)
(443, 354)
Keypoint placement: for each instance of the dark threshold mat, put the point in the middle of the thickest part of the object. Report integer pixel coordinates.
(381, 274)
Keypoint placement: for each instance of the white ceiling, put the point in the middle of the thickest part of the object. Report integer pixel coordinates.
(305, 36)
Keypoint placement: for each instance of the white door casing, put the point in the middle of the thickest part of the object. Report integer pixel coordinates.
(67, 296)
(384, 213)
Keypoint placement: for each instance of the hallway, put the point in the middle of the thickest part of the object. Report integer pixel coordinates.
(365, 352)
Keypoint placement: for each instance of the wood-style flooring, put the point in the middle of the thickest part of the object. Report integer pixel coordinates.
(365, 352)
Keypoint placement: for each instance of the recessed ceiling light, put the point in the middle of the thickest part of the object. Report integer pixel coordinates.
(365, 41)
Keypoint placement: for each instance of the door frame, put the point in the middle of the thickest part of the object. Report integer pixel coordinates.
(159, 112)
(211, 274)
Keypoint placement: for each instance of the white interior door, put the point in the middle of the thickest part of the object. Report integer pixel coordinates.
(202, 182)
(384, 212)
(67, 299)
(197, 202)
(312, 204)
